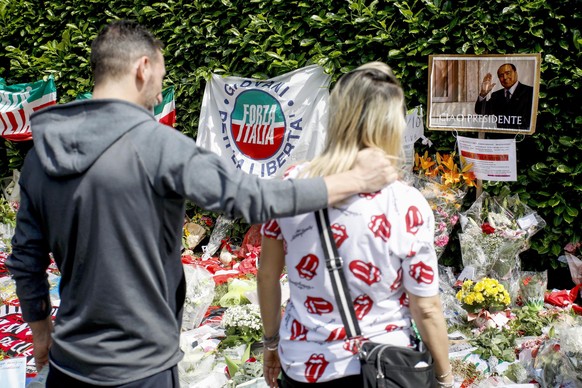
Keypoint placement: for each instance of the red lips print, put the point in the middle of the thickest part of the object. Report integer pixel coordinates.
(271, 229)
(318, 306)
(366, 272)
(298, 331)
(422, 273)
(413, 220)
(362, 306)
(391, 327)
(351, 345)
(337, 334)
(307, 266)
(315, 367)
(339, 234)
(404, 300)
(380, 226)
(369, 195)
(398, 281)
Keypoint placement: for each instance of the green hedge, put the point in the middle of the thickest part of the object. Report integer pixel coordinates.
(266, 38)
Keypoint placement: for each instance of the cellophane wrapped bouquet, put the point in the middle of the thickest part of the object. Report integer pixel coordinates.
(559, 360)
(494, 231)
(532, 288)
(444, 185)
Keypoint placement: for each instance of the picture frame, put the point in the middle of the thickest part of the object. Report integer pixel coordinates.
(470, 93)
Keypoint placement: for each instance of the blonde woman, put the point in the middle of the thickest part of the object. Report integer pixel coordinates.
(385, 239)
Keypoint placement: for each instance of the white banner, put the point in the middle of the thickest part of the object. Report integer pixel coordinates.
(493, 159)
(264, 126)
(414, 131)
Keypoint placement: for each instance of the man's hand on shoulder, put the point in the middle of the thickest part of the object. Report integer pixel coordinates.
(374, 170)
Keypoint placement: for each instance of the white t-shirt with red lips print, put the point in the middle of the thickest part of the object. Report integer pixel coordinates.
(386, 241)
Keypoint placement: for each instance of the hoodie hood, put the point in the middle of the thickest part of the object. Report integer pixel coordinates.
(69, 138)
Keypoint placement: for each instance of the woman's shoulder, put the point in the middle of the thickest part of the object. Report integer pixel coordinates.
(295, 170)
(403, 190)
(402, 194)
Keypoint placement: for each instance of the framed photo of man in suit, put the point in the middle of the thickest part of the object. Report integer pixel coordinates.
(483, 93)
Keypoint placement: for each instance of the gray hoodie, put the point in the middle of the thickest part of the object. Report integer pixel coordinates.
(103, 189)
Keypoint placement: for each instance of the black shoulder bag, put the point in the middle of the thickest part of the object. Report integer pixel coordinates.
(383, 365)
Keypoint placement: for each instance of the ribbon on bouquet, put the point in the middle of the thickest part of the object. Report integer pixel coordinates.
(488, 319)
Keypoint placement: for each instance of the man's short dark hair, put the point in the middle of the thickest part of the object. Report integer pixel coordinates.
(118, 45)
(508, 64)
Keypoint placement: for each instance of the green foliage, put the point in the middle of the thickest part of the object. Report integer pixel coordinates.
(7, 212)
(495, 342)
(267, 38)
(530, 321)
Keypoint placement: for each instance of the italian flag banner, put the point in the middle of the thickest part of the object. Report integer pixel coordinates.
(265, 126)
(165, 112)
(18, 101)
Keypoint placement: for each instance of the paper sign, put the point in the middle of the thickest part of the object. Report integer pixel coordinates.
(13, 372)
(526, 222)
(414, 131)
(493, 159)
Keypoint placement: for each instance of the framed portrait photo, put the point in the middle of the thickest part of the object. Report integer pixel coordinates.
(483, 93)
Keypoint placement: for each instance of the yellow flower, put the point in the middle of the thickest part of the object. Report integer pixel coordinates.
(489, 291)
(483, 294)
(460, 295)
(479, 297)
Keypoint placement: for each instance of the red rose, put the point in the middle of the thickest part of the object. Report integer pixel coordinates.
(487, 229)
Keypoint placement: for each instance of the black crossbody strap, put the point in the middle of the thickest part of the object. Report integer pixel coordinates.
(334, 264)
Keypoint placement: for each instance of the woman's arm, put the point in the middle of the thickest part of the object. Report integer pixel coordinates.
(271, 265)
(428, 315)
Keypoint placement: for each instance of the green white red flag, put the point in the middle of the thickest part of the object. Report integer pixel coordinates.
(18, 101)
(165, 112)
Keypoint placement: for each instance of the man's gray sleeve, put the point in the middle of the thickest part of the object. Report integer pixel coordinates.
(28, 263)
(181, 167)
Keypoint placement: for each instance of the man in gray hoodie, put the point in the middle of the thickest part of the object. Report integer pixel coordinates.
(103, 189)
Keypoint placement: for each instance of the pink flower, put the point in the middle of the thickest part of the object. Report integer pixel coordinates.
(441, 240)
(454, 219)
(571, 247)
(442, 226)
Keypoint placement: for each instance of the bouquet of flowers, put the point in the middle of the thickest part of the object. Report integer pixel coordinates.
(532, 288)
(559, 360)
(573, 257)
(444, 185)
(485, 302)
(242, 325)
(195, 229)
(486, 294)
(199, 295)
(495, 231)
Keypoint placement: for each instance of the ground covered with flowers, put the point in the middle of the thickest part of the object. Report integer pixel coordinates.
(505, 326)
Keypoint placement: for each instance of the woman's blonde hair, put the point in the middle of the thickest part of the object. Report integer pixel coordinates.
(366, 110)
